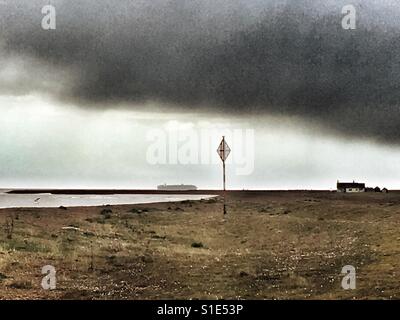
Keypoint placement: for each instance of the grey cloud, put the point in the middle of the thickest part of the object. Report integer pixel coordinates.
(239, 57)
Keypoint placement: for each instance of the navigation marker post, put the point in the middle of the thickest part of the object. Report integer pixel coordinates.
(224, 151)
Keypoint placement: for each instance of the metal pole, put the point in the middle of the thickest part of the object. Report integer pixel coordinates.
(223, 160)
(223, 166)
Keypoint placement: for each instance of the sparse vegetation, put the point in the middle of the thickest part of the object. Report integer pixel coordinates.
(296, 252)
(24, 245)
(105, 212)
(135, 210)
(197, 245)
(21, 285)
(9, 226)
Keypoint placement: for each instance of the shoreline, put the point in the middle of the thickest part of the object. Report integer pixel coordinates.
(48, 200)
(149, 191)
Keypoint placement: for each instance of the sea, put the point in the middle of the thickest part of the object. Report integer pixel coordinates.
(48, 200)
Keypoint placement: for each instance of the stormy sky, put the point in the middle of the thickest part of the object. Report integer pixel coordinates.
(285, 69)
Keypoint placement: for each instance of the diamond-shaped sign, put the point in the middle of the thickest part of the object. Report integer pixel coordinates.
(223, 150)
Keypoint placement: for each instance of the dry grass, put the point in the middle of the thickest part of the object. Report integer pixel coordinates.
(279, 245)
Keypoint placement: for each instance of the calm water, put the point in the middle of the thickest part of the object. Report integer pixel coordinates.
(47, 200)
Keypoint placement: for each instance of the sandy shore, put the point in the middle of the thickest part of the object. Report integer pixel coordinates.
(281, 245)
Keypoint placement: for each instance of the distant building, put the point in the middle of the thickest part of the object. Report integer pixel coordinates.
(376, 189)
(176, 187)
(350, 187)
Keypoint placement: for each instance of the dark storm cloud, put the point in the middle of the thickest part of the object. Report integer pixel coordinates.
(268, 57)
